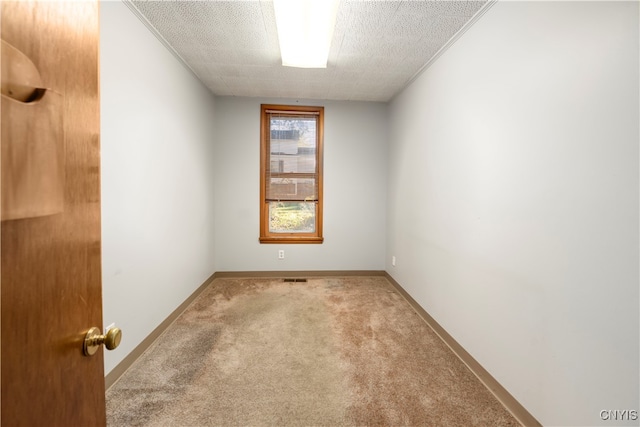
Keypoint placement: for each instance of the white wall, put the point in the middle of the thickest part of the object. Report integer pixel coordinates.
(157, 179)
(513, 202)
(354, 189)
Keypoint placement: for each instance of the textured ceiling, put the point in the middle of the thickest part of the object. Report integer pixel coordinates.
(377, 47)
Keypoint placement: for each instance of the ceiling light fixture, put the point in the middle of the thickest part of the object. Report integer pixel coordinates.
(305, 30)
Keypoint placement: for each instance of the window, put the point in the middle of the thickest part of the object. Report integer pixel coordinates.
(291, 174)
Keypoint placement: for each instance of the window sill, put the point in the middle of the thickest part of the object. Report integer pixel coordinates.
(292, 239)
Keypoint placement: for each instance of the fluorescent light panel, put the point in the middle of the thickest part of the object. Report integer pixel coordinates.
(305, 30)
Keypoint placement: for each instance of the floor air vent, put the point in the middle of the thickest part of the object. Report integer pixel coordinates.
(294, 280)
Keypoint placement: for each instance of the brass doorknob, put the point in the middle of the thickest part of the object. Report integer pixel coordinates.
(94, 339)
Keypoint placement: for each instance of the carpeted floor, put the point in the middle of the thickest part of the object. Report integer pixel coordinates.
(337, 351)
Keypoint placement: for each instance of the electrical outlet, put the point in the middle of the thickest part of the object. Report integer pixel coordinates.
(393, 261)
(280, 254)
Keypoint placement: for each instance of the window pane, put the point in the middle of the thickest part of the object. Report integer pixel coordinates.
(292, 217)
(297, 159)
(300, 189)
(292, 146)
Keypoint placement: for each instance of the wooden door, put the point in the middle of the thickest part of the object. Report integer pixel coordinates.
(50, 232)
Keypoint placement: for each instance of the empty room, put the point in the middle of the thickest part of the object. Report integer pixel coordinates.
(435, 222)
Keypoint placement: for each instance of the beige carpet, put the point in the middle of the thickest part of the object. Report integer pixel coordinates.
(338, 351)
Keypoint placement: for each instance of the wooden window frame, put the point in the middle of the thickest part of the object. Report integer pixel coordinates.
(265, 235)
